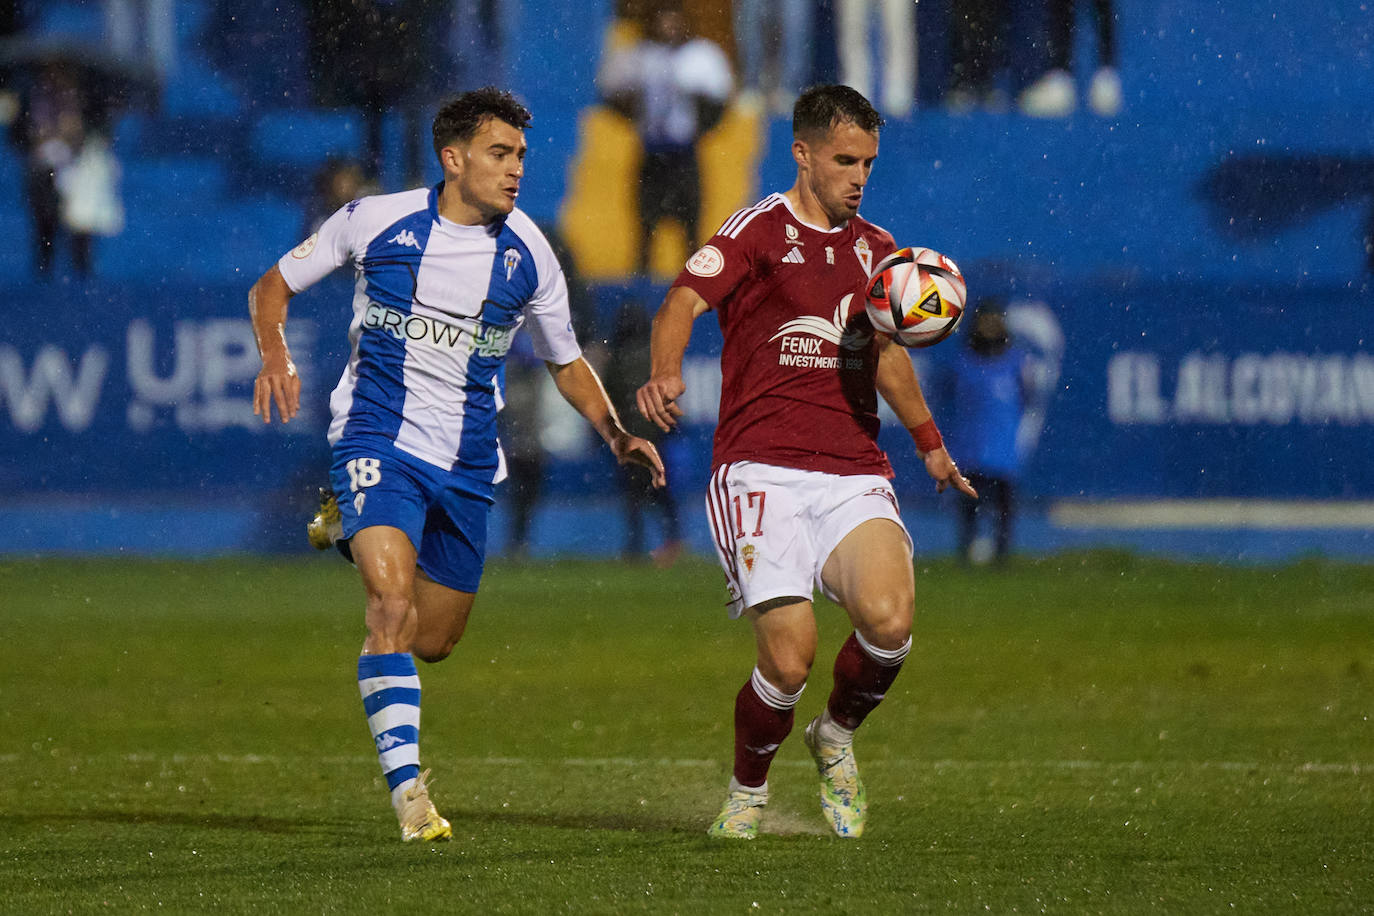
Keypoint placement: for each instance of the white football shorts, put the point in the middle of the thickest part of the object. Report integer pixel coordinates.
(775, 527)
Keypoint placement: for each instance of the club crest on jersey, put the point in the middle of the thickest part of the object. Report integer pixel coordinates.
(406, 239)
(747, 556)
(707, 262)
(793, 235)
(865, 254)
(512, 261)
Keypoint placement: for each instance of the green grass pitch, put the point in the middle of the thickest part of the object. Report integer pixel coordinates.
(1087, 733)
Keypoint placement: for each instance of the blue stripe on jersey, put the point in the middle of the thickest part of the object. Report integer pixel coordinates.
(514, 281)
(390, 265)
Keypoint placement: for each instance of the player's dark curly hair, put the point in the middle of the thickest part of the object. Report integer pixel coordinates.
(461, 117)
(819, 108)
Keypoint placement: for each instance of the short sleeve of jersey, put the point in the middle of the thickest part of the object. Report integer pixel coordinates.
(717, 268)
(313, 259)
(548, 314)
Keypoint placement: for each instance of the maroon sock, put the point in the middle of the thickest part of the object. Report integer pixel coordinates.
(759, 730)
(861, 682)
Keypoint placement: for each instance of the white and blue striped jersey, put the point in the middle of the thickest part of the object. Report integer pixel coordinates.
(435, 307)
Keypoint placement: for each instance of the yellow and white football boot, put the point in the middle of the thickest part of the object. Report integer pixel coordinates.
(327, 525)
(418, 817)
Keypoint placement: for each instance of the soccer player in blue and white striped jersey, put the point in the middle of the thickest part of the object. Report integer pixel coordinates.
(445, 278)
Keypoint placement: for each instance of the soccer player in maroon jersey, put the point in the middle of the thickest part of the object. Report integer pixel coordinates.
(799, 496)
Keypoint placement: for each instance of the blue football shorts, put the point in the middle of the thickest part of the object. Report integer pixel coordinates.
(444, 520)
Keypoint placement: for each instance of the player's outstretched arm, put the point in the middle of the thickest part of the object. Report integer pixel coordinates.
(577, 381)
(657, 398)
(897, 383)
(277, 381)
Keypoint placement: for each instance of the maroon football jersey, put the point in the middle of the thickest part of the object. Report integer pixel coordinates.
(799, 358)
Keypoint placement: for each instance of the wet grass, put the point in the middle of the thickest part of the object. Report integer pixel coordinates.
(1086, 733)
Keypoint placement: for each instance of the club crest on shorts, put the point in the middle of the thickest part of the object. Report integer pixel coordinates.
(747, 555)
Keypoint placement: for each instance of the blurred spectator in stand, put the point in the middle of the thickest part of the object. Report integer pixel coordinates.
(773, 42)
(979, 46)
(986, 387)
(339, 181)
(143, 34)
(627, 367)
(1055, 95)
(674, 88)
(72, 177)
(11, 24)
(379, 56)
(897, 29)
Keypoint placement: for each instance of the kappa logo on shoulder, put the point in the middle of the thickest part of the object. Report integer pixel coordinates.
(405, 238)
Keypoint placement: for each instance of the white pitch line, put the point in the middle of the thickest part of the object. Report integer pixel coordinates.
(277, 760)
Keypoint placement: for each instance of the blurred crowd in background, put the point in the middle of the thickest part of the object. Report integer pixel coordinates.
(669, 66)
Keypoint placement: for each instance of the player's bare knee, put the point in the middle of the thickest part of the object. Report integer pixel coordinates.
(886, 624)
(889, 635)
(788, 675)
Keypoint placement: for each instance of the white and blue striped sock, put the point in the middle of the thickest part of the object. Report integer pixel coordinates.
(390, 686)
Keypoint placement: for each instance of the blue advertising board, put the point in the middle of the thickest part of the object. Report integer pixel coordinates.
(1166, 391)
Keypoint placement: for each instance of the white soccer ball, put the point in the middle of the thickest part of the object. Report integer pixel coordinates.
(916, 296)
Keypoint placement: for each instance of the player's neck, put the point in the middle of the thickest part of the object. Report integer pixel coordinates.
(455, 209)
(808, 209)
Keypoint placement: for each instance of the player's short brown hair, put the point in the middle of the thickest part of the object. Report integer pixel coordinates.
(820, 108)
(463, 116)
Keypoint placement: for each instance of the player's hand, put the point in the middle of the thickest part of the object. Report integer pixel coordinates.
(634, 450)
(277, 383)
(657, 401)
(941, 466)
